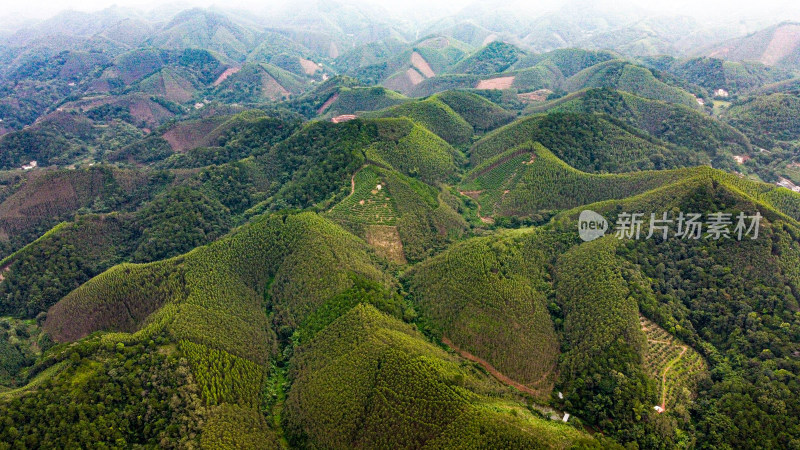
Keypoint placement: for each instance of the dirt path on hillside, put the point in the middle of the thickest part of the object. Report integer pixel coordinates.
(474, 196)
(490, 368)
(664, 377)
(352, 186)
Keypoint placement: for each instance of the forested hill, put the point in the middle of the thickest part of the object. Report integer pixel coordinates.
(327, 229)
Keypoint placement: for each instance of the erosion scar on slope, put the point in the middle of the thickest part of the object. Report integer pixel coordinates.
(490, 368)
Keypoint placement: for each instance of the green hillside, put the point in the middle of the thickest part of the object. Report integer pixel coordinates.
(631, 78)
(344, 95)
(479, 112)
(69, 254)
(671, 123)
(255, 83)
(368, 373)
(600, 317)
(497, 287)
(413, 151)
(585, 141)
(712, 73)
(197, 28)
(45, 199)
(64, 138)
(402, 70)
(402, 218)
(495, 57)
(530, 179)
(568, 61)
(334, 225)
(767, 120)
(435, 116)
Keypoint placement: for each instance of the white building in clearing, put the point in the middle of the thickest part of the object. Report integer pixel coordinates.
(30, 165)
(720, 93)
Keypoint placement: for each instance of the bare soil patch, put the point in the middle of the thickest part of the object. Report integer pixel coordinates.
(224, 75)
(271, 89)
(496, 83)
(327, 103)
(490, 368)
(309, 67)
(537, 96)
(419, 62)
(784, 42)
(386, 241)
(414, 77)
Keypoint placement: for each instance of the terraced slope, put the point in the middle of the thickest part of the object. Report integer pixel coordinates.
(401, 217)
(677, 367)
(542, 183)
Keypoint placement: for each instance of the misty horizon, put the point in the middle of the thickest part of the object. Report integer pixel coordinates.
(418, 13)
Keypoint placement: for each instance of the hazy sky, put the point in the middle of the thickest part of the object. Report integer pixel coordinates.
(705, 10)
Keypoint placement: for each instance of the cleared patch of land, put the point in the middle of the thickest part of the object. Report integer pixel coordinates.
(224, 75)
(496, 83)
(419, 62)
(784, 42)
(309, 67)
(328, 103)
(414, 77)
(386, 241)
(536, 96)
(676, 366)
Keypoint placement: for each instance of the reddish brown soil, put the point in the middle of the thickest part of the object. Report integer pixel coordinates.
(309, 67)
(228, 72)
(495, 83)
(414, 77)
(419, 62)
(327, 103)
(489, 368)
(784, 42)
